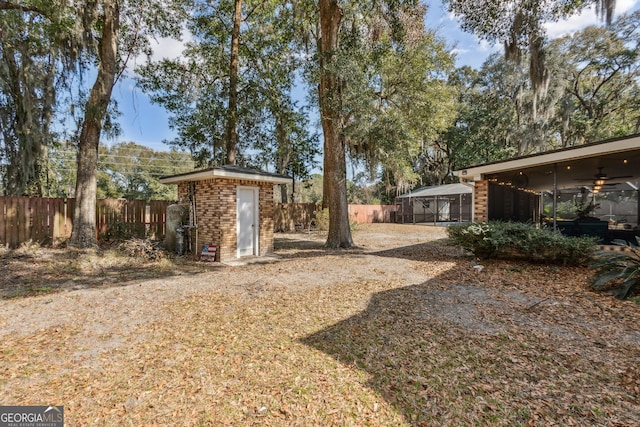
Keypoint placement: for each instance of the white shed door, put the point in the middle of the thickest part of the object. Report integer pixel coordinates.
(247, 221)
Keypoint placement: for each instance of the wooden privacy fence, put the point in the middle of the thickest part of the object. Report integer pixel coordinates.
(50, 220)
(30, 218)
(289, 215)
(368, 214)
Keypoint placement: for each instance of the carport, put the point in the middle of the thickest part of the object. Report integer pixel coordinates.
(517, 189)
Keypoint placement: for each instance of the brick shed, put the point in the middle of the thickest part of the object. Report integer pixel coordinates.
(230, 207)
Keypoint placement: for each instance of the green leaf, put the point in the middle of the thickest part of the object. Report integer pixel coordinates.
(626, 287)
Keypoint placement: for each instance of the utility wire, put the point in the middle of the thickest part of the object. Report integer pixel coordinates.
(73, 170)
(136, 157)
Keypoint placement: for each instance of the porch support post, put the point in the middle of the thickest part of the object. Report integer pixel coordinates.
(413, 210)
(540, 208)
(637, 190)
(481, 201)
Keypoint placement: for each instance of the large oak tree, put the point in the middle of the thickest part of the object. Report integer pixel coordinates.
(382, 95)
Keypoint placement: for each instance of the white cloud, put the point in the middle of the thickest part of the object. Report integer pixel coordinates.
(169, 48)
(586, 18)
(459, 51)
(485, 46)
(572, 24)
(623, 6)
(162, 48)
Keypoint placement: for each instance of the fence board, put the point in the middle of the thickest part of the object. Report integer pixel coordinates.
(45, 218)
(21, 210)
(57, 218)
(65, 222)
(36, 214)
(157, 217)
(12, 214)
(41, 226)
(3, 214)
(57, 209)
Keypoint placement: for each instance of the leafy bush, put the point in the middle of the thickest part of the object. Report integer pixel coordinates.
(618, 270)
(520, 240)
(473, 237)
(322, 220)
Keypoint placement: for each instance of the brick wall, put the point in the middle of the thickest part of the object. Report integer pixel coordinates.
(481, 202)
(216, 213)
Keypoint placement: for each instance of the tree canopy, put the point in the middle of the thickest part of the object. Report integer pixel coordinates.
(271, 130)
(519, 25)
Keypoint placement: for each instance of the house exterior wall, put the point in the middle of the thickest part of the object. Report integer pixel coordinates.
(216, 214)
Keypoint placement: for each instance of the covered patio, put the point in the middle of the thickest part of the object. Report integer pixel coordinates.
(541, 188)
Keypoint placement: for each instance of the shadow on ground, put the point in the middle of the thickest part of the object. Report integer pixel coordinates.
(298, 243)
(436, 250)
(446, 353)
(301, 248)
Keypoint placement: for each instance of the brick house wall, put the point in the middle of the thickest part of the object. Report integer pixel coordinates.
(216, 213)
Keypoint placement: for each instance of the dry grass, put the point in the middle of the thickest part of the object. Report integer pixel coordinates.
(401, 331)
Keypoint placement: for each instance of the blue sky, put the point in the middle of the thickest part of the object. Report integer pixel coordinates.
(147, 124)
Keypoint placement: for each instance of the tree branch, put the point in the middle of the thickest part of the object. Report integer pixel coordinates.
(5, 5)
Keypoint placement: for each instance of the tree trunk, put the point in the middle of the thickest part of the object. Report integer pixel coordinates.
(232, 114)
(84, 218)
(283, 155)
(335, 167)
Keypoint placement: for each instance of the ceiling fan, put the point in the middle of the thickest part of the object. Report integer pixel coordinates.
(601, 178)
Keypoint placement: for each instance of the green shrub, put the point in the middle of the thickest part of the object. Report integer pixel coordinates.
(473, 237)
(322, 220)
(618, 270)
(521, 240)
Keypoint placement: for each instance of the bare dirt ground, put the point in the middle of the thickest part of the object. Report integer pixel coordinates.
(402, 330)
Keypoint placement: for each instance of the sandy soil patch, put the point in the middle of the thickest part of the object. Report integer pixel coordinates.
(399, 331)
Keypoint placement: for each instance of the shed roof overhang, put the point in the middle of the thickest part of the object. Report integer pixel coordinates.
(574, 167)
(227, 171)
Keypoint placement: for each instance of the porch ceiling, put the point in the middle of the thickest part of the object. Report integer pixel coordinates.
(618, 160)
